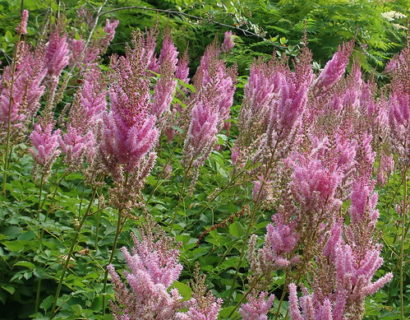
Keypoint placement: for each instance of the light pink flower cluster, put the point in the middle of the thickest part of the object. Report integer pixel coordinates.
(85, 117)
(211, 107)
(198, 311)
(129, 131)
(45, 145)
(154, 267)
(57, 54)
(22, 28)
(280, 240)
(82, 55)
(399, 111)
(228, 42)
(20, 93)
(257, 308)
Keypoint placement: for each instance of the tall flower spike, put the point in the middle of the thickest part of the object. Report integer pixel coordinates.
(57, 54)
(228, 43)
(26, 91)
(335, 68)
(182, 71)
(22, 28)
(153, 266)
(45, 145)
(280, 239)
(363, 203)
(257, 308)
(129, 131)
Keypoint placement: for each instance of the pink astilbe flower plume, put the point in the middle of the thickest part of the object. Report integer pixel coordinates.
(203, 305)
(129, 131)
(280, 239)
(22, 28)
(228, 42)
(311, 308)
(153, 265)
(201, 311)
(257, 308)
(79, 141)
(20, 93)
(45, 146)
(182, 71)
(57, 54)
(335, 68)
(363, 203)
(109, 29)
(215, 84)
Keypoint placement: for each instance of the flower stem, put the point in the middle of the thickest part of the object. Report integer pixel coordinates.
(403, 236)
(38, 290)
(114, 247)
(70, 253)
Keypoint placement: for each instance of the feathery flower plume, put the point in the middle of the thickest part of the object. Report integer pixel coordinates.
(335, 68)
(211, 107)
(20, 101)
(203, 305)
(182, 71)
(45, 147)
(257, 308)
(153, 267)
(109, 29)
(22, 28)
(85, 117)
(228, 43)
(208, 310)
(57, 54)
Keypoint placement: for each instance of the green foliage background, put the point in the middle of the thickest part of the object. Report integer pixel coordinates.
(269, 26)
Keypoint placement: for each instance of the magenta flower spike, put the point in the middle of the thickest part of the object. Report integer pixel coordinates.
(22, 28)
(228, 42)
(363, 203)
(169, 53)
(27, 89)
(45, 144)
(57, 54)
(109, 29)
(335, 68)
(182, 71)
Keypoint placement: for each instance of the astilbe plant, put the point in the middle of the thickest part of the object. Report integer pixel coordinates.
(79, 142)
(215, 85)
(21, 90)
(154, 267)
(308, 145)
(332, 161)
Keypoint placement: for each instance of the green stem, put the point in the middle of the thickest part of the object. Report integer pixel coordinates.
(70, 253)
(38, 290)
(403, 236)
(8, 135)
(114, 247)
(245, 295)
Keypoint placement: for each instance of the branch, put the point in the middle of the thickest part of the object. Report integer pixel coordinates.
(178, 13)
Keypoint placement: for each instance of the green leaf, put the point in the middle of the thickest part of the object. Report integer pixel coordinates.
(183, 289)
(25, 264)
(8, 288)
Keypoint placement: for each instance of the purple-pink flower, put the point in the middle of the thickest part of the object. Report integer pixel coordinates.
(228, 42)
(335, 68)
(57, 54)
(257, 308)
(45, 144)
(22, 28)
